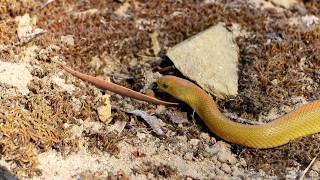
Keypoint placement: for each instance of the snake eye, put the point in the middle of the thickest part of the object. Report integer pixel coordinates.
(165, 85)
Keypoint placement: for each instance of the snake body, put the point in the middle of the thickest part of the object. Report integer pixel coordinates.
(301, 122)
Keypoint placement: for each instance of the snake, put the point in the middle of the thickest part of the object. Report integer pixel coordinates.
(301, 122)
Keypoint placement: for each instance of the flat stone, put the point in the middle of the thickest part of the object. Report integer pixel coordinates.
(209, 58)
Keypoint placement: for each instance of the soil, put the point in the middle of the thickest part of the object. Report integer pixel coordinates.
(50, 127)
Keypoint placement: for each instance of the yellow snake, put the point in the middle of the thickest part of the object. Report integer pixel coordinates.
(303, 121)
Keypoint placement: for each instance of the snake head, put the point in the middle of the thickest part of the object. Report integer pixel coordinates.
(174, 86)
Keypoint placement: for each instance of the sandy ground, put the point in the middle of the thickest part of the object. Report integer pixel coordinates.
(55, 126)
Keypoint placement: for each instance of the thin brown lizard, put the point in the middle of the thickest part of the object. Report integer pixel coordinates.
(102, 84)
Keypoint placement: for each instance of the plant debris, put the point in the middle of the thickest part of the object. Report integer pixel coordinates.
(155, 123)
(279, 61)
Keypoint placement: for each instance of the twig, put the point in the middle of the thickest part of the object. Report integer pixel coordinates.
(47, 3)
(307, 169)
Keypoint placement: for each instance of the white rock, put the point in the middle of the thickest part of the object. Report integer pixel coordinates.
(104, 110)
(219, 172)
(26, 28)
(68, 40)
(310, 20)
(291, 174)
(243, 162)
(122, 10)
(141, 135)
(212, 150)
(86, 13)
(69, 88)
(24, 24)
(210, 58)
(237, 173)
(264, 4)
(226, 168)
(215, 148)
(194, 142)
(205, 137)
(95, 63)
(226, 157)
(188, 156)
(76, 131)
(181, 138)
(76, 104)
(30, 54)
(155, 43)
(118, 126)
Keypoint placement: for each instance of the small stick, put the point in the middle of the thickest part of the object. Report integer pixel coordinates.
(123, 91)
(307, 169)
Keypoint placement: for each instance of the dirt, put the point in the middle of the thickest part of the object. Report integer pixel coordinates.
(50, 128)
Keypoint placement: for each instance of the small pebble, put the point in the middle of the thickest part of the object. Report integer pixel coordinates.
(68, 40)
(160, 109)
(188, 156)
(209, 151)
(181, 138)
(225, 177)
(128, 107)
(226, 168)
(215, 159)
(226, 157)
(219, 172)
(236, 172)
(205, 137)
(291, 174)
(141, 135)
(214, 149)
(194, 142)
(313, 174)
(150, 176)
(316, 166)
(213, 140)
(234, 168)
(66, 125)
(243, 162)
(76, 104)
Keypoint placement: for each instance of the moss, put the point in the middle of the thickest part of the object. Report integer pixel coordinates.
(159, 171)
(105, 142)
(273, 52)
(13, 8)
(275, 161)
